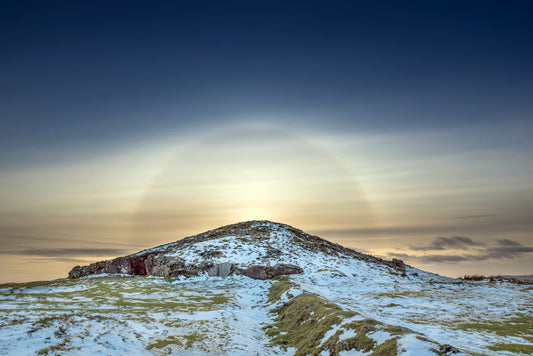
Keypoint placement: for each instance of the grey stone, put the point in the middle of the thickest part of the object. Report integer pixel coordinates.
(221, 270)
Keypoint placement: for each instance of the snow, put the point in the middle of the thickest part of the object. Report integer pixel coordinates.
(211, 315)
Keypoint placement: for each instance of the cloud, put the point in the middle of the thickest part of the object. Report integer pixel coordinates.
(506, 242)
(432, 258)
(476, 216)
(68, 252)
(502, 249)
(445, 243)
(508, 249)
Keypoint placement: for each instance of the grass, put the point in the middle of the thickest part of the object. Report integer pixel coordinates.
(55, 348)
(388, 348)
(360, 342)
(183, 341)
(106, 302)
(517, 348)
(132, 296)
(201, 339)
(282, 285)
(303, 321)
(520, 325)
(309, 323)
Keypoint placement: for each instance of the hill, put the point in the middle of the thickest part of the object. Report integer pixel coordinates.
(262, 288)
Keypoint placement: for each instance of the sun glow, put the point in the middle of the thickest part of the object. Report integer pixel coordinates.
(249, 172)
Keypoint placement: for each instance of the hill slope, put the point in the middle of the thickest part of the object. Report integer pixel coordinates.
(326, 300)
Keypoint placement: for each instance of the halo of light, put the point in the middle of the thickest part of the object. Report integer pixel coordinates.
(245, 172)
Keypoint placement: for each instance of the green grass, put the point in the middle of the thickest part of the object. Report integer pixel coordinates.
(58, 306)
(517, 348)
(520, 325)
(303, 321)
(282, 285)
(388, 348)
(359, 342)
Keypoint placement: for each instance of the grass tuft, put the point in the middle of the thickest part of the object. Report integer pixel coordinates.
(517, 348)
(388, 348)
(282, 285)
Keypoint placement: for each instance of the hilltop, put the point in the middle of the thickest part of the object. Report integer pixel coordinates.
(262, 288)
(247, 248)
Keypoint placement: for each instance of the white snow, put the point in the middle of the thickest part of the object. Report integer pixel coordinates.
(203, 315)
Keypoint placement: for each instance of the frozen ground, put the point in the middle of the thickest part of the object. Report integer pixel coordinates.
(232, 316)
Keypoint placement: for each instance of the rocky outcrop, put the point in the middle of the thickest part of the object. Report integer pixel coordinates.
(173, 266)
(134, 265)
(397, 264)
(267, 272)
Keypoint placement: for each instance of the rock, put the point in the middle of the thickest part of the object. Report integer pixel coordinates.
(76, 272)
(257, 272)
(445, 349)
(221, 270)
(123, 265)
(142, 265)
(267, 272)
(398, 265)
(174, 266)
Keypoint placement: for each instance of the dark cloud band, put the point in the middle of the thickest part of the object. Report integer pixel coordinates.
(504, 249)
(445, 243)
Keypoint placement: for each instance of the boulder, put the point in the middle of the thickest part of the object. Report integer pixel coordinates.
(267, 272)
(445, 350)
(221, 270)
(123, 265)
(397, 264)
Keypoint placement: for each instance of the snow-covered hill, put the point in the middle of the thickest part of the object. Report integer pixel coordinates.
(195, 297)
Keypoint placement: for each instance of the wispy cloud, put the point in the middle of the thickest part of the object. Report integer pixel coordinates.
(500, 249)
(476, 216)
(67, 252)
(507, 242)
(508, 249)
(433, 258)
(445, 243)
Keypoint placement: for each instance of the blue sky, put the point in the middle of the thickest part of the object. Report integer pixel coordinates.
(419, 113)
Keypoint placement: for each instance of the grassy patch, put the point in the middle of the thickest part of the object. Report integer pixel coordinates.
(183, 341)
(391, 305)
(303, 321)
(359, 342)
(520, 325)
(27, 284)
(55, 348)
(388, 348)
(160, 343)
(277, 289)
(518, 348)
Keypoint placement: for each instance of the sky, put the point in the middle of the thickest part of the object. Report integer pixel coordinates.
(401, 129)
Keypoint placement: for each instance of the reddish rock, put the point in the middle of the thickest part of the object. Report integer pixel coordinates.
(133, 265)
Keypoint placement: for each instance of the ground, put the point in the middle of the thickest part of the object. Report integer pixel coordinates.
(344, 303)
